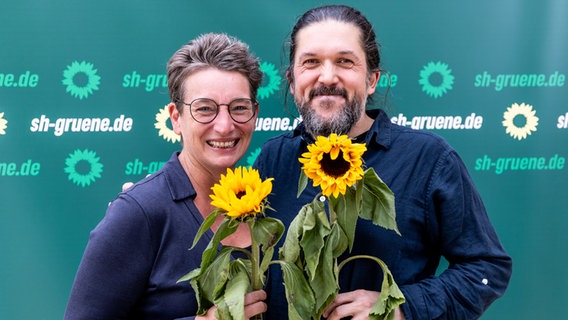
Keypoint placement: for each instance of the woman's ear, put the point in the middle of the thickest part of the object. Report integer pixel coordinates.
(174, 117)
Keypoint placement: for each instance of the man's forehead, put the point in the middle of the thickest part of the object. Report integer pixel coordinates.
(329, 36)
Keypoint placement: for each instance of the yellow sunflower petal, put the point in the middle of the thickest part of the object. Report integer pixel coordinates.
(315, 163)
(240, 193)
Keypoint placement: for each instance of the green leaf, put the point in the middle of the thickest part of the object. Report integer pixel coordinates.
(231, 305)
(324, 279)
(209, 282)
(226, 228)
(298, 292)
(267, 232)
(207, 223)
(315, 229)
(345, 207)
(378, 202)
(359, 195)
(390, 297)
(338, 240)
(190, 275)
(302, 183)
(290, 250)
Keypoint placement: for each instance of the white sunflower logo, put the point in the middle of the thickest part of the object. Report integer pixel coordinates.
(161, 124)
(3, 123)
(520, 120)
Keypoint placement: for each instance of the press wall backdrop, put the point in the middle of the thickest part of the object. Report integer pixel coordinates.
(83, 90)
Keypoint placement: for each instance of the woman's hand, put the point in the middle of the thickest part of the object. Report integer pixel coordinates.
(254, 305)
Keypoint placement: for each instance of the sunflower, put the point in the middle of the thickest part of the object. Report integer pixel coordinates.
(334, 163)
(241, 193)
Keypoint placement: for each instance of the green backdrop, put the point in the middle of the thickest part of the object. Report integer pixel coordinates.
(82, 91)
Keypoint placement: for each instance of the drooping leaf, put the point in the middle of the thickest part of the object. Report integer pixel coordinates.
(324, 280)
(290, 250)
(302, 183)
(338, 240)
(345, 208)
(378, 202)
(298, 292)
(359, 195)
(316, 228)
(208, 283)
(267, 232)
(390, 297)
(231, 305)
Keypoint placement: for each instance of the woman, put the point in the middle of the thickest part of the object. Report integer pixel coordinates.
(139, 250)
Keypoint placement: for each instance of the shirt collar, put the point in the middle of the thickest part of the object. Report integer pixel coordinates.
(177, 180)
(381, 129)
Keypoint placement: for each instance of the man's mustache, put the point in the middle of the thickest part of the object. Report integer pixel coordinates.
(324, 90)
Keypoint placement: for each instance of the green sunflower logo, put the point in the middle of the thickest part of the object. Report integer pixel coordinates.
(81, 79)
(252, 157)
(436, 79)
(162, 125)
(3, 123)
(520, 120)
(83, 167)
(273, 80)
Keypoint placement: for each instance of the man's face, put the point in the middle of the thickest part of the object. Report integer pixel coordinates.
(330, 82)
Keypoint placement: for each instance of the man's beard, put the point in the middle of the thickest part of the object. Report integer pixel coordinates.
(339, 123)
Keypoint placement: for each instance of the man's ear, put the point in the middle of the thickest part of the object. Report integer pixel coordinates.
(373, 80)
(174, 117)
(290, 79)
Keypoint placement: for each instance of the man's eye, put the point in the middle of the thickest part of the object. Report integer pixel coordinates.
(346, 63)
(310, 63)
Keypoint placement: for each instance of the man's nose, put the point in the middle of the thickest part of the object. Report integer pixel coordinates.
(328, 73)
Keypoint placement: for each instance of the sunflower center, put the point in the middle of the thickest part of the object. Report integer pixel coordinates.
(240, 194)
(334, 168)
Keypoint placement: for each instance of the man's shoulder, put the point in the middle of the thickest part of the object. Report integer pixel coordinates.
(282, 138)
(402, 134)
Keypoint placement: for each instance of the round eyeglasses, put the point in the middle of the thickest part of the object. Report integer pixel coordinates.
(204, 110)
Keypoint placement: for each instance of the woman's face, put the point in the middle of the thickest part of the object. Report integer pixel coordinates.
(221, 143)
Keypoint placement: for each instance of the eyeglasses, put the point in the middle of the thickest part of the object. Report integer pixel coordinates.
(204, 110)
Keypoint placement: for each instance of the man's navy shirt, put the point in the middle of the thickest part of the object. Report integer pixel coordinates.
(438, 212)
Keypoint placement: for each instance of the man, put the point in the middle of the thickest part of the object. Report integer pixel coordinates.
(334, 68)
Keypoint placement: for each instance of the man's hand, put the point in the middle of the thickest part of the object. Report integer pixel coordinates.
(254, 305)
(357, 305)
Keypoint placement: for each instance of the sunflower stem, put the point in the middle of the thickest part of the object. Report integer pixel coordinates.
(255, 262)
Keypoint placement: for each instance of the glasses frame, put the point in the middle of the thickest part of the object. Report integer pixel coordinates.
(218, 105)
